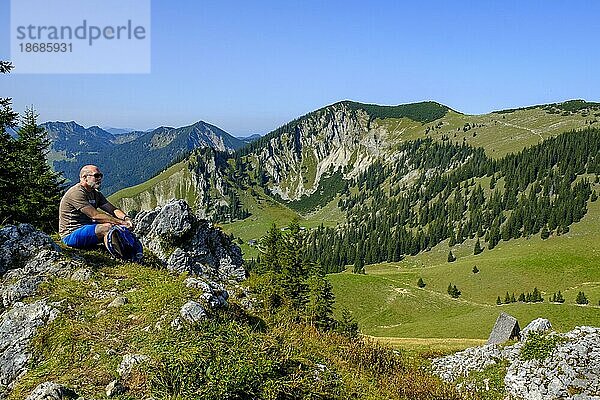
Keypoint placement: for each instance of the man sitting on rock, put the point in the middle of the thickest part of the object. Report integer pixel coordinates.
(80, 224)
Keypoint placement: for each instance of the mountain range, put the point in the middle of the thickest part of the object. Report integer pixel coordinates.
(418, 191)
(346, 138)
(129, 158)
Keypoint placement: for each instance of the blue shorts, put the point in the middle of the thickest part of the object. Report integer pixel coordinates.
(82, 238)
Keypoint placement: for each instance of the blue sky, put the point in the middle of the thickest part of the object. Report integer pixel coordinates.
(250, 66)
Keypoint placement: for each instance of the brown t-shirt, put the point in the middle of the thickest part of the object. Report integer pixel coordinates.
(70, 216)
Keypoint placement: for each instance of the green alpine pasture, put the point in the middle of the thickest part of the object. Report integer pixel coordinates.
(387, 302)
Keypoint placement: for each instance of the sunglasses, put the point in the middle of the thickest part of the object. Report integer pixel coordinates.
(97, 175)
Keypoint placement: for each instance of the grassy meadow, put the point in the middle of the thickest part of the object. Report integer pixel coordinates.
(387, 302)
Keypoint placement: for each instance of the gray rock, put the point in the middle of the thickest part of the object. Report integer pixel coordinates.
(213, 294)
(185, 243)
(505, 328)
(571, 371)
(129, 361)
(51, 391)
(539, 325)
(24, 287)
(17, 326)
(118, 302)
(115, 388)
(20, 243)
(82, 274)
(176, 324)
(193, 312)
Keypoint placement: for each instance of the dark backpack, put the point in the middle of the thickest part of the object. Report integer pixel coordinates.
(123, 244)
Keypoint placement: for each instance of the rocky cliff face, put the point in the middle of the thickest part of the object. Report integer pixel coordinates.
(335, 138)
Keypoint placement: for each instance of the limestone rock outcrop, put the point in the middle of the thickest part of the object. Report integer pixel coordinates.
(570, 371)
(185, 243)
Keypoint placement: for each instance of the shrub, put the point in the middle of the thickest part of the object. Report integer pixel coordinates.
(539, 346)
(581, 299)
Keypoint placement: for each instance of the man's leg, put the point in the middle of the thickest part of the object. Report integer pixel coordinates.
(102, 232)
(81, 238)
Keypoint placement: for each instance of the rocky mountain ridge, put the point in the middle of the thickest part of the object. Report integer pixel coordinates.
(338, 142)
(131, 158)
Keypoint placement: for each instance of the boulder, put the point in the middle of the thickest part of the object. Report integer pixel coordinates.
(17, 326)
(115, 388)
(129, 361)
(539, 325)
(213, 294)
(51, 391)
(119, 301)
(185, 243)
(570, 371)
(82, 274)
(20, 243)
(193, 312)
(505, 328)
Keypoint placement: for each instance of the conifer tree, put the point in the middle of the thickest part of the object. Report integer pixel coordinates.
(475, 269)
(35, 206)
(270, 248)
(498, 301)
(477, 248)
(359, 266)
(347, 325)
(420, 283)
(544, 234)
(451, 257)
(321, 303)
(9, 187)
(581, 298)
(294, 270)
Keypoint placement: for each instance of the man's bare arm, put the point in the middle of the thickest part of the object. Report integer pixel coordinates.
(114, 211)
(102, 218)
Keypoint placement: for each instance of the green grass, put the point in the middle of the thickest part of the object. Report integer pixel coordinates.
(172, 182)
(233, 355)
(499, 134)
(387, 302)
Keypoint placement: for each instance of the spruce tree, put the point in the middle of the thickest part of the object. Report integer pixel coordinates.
(322, 302)
(270, 248)
(347, 325)
(477, 248)
(544, 234)
(420, 283)
(35, 206)
(475, 269)
(581, 298)
(9, 165)
(498, 301)
(294, 269)
(451, 257)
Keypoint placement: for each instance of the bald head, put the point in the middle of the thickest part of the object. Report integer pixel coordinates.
(88, 170)
(90, 177)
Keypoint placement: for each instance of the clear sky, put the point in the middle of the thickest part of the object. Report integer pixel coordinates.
(250, 66)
